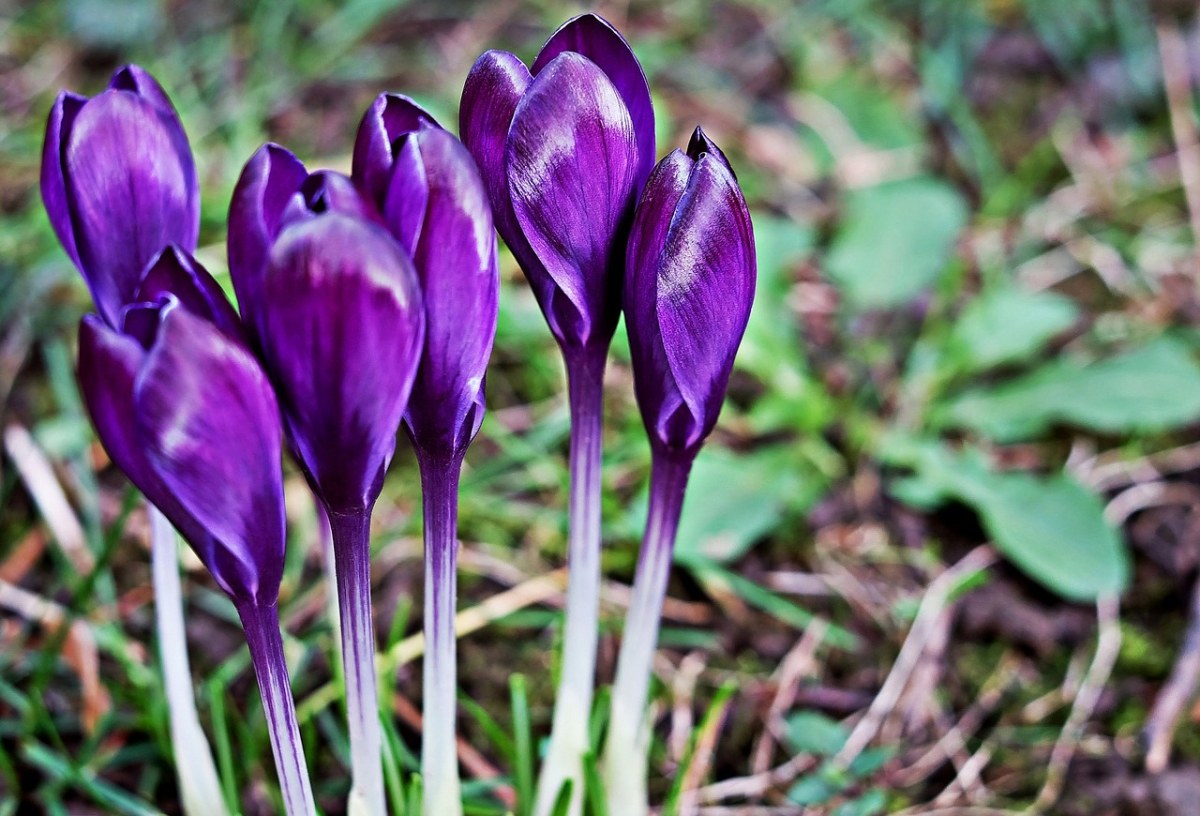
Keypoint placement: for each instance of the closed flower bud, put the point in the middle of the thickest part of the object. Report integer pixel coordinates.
(428, 190)
(119, 184)
(564, 148)
(186, 411)
(688, 290)
(335, 310)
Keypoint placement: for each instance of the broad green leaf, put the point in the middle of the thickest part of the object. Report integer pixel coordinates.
(733, 500)
(811, 732)
(871, 803)
(1051, 527)
(812, 790)
(894, 241)
(1154, 388)
(1008, 325)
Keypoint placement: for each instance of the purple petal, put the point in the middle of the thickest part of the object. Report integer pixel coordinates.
(177, 273)
(54, 189)
(389, 117)
(658, 394)
(268, 182)
(108, 365)
(406, 197)
(210, 425)
(572, 162)
(595, 38)
(493, 89)
(706, 286)
(130, 188)
(455, 261)
(342, 339)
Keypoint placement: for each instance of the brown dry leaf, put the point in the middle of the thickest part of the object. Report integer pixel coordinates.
(23, 556)
(79, 647)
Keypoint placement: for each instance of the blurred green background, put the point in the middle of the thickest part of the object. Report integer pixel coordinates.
(975, 326)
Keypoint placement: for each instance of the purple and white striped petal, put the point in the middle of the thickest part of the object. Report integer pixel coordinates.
(341, 337)
(454, 254)
(390, 117)
(571, 165)
(596, 38)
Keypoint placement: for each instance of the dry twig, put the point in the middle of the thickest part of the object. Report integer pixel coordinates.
(934, 602)
(1108, 644)
(795, 665)
(79, 647)
(1159, 732)
(38, 475)
(1173, 52)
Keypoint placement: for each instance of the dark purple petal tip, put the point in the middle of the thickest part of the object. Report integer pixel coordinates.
(700, 145)
(270, 179)
(175, 272)
(390, 117)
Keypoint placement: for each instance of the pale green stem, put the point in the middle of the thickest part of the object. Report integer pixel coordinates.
(439, 752)
(199, 786)
(573, 703)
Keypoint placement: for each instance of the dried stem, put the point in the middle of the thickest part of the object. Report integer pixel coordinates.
(1108, 645)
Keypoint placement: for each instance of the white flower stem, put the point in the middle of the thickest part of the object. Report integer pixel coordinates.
(627, 746)
(199, 786)
(573, 703)
(441, 788)
(352, 558)
(261, 624)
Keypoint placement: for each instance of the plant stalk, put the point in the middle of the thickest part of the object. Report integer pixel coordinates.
(573, 702)
(626, 751)
(439, 752)
(261, 624)
(199, 786)
(352, 559)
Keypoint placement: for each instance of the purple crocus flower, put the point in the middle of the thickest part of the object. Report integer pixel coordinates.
(183, 407)
(335, 310)
(564, 147)
(119, 183)
(688, 290)
(432, 200)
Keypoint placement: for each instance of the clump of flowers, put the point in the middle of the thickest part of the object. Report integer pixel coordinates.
(368, 303)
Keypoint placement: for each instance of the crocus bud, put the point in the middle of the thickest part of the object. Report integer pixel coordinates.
(275, 189)
(688, 289)
(564, 149)
(119, 184)
(428, 190)
(185, 410)
(335, 308)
